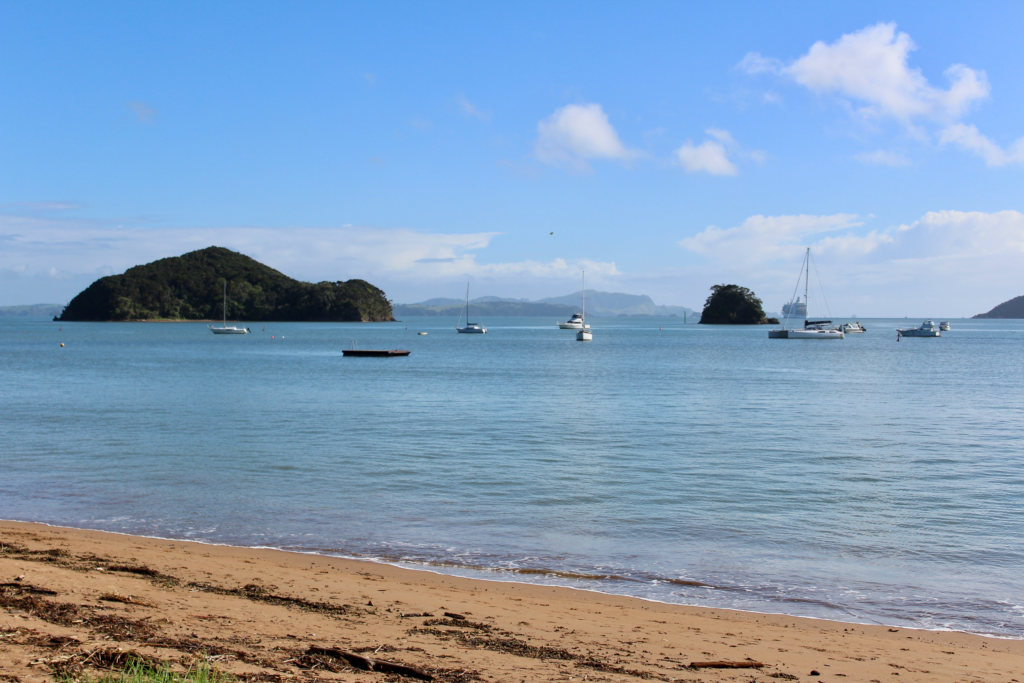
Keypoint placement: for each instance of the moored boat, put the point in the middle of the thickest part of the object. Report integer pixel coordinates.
(224, 329)
(584, 334)
(927, 329)
(470, 328)
(852, 328)
(573, 323)
(944, 326)
(812, 329)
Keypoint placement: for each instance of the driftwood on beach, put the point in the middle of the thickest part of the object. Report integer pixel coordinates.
(726, 665)
(359, 661)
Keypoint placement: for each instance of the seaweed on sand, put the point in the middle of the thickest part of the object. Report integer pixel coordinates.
(258, 593)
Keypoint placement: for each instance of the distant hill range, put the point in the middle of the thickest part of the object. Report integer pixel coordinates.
(1014, 308)
(600, 304)
(190, 287)
(32, 310)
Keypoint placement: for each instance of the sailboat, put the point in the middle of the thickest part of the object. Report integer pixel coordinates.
(584, 334)
(470, 328)
(812, 329)
(224, 329)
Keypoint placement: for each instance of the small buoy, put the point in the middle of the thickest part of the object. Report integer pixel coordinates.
(62, 345)
(422, 334)
(271, 336)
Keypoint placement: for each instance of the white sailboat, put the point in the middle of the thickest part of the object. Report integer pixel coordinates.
(224, 329)
(584, 334)
(812, 329)
(470, 328)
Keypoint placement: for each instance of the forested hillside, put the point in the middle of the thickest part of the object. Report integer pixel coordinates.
(190, 287)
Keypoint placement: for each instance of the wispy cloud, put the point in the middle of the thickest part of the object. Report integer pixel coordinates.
(968, 138)
(577, 134)
(881, 157)
(470, 109)
(713, 156)
(143, 112)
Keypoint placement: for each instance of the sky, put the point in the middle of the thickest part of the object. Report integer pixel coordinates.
(662, 147)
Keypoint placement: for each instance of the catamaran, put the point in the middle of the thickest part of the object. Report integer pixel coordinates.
(584, 334)
(812, 329)
(224, 329)
(470, 328)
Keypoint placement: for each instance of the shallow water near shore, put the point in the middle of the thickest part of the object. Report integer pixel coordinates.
(861, 480)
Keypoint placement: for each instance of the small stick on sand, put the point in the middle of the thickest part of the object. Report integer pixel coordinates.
(726, 665)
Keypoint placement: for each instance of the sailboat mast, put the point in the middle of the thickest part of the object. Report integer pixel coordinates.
(583, 284)
(467, 304)
(807, 278)
(225, 303)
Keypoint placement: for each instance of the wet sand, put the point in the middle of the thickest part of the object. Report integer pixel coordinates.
(73, 600)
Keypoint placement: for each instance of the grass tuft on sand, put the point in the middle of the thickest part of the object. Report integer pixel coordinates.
(139, 671)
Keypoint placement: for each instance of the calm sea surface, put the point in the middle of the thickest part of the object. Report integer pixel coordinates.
(863, 480)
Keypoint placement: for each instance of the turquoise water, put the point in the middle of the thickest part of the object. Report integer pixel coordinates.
(863, 480)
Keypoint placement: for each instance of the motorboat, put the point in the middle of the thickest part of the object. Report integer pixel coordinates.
(852, 328)
(584, 334)
(573, 323)
(224, 329)
(470, 328)
(812, 329)
(944, 326)
(927, 329)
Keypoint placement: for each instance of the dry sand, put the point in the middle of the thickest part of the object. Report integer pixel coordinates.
(256, 613)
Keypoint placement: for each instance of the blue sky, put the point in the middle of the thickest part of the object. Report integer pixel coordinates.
(668, 146)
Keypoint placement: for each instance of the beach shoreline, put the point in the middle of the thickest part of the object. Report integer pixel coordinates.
(257, 612)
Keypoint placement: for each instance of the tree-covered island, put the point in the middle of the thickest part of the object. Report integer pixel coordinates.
(733, 305)
(190, 287)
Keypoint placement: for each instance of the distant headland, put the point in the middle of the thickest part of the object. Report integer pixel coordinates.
(190, 287)
(1014, 308)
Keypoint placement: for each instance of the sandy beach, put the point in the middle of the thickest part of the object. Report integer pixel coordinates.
(78, 601)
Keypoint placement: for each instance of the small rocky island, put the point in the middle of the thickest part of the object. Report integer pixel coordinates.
(190, 287)
(1014, 308)
(733, 305)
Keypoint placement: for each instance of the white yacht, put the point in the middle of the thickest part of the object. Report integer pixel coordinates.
(852, 328)
(584, 334)
(944, 326)
(470, 328)
(224, 329)
(573, 323)
(812, 329)
(927, 329)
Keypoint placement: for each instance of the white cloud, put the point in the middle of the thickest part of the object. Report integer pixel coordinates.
(882, 157)
(869, 67)
(469, 109)
(712, 156)
(765, 238)
(143, 112)
(578, 133)
(968, 138)
(945, 264)
(53, 258)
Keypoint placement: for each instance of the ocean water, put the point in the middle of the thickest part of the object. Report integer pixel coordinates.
(862, 480)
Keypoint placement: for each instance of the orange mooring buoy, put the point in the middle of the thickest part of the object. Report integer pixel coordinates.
(62, 345)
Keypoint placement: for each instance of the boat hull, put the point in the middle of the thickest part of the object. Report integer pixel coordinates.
(228, 330)
(815, 334)
(378, 353)
(584, 335)
(919, 333)
(570, 326)
(471, 330)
